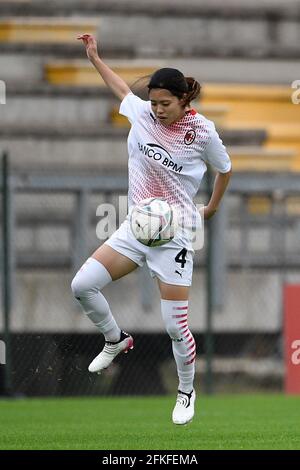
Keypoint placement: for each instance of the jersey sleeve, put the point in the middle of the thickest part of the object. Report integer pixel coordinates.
(132, 107)
(216, 154)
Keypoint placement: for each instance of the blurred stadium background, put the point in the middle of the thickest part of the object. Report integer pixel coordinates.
(67, 153)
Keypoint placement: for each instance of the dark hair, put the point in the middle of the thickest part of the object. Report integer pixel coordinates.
(194, 89)
(172, 80)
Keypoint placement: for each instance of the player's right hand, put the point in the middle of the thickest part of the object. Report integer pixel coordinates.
(90, 45)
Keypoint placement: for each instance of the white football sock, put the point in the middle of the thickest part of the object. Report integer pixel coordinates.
(174, 313)
(86, 287)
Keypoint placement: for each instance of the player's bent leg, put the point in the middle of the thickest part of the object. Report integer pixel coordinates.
(117, 265)
(87, 285)
(175, 314)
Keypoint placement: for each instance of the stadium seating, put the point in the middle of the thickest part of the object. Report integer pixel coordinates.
(66, 89)
(262, 205)
(189, 28)
(285, 135)
(261, 159)
(83, 74)
(44, 30)
(260, 106)
(253, 104)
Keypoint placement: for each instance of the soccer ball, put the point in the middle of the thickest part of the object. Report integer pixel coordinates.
(154, 221)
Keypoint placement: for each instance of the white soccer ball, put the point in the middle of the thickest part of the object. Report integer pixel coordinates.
(154, 221)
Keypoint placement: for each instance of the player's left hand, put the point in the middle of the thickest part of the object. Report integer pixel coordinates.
(90, 44)
(208, 213)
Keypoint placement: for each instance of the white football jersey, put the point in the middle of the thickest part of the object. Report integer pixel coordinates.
(170, 161)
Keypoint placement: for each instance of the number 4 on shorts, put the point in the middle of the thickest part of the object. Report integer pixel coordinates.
(180, 257)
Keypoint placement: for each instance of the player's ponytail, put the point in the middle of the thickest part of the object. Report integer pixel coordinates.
(194, 89)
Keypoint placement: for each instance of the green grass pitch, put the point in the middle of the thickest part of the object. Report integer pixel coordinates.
(221, 422)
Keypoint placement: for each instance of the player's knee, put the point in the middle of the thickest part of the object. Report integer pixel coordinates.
(90, 279)
(80, 286)
(76, 287)
(173, 331)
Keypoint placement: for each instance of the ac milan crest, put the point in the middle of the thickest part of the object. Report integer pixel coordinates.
(189, 137)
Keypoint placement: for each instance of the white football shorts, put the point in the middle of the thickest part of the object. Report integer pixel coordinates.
(172, 263)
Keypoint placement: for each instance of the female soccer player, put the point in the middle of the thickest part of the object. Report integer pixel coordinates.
(168, 146)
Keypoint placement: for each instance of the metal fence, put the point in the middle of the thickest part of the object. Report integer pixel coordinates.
(53, 219)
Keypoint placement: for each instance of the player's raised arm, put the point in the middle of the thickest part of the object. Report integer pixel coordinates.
(112, 80)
